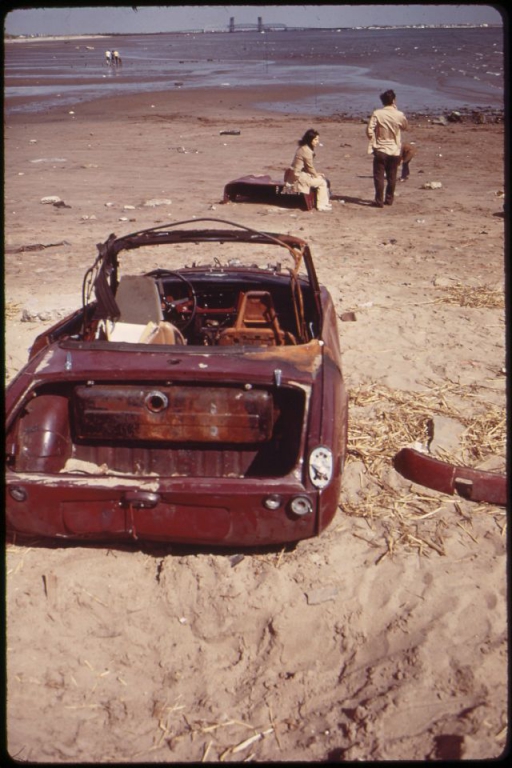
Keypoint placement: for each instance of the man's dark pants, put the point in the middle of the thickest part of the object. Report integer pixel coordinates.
(385, 168)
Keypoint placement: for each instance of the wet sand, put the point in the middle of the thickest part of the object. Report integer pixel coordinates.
(338, 71)
(173, 104)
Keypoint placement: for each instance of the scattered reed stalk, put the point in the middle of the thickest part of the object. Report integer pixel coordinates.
(384, 420)
(480, 297)
(12, 310)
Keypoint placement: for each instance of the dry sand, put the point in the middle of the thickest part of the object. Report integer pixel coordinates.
(386, 637)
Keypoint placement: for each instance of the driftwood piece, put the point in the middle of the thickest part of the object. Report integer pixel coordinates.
(34, 247)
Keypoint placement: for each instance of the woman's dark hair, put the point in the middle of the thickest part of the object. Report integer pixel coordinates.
(388, 97)
(308, 138)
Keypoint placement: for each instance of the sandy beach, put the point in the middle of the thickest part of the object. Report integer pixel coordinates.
(386, 637)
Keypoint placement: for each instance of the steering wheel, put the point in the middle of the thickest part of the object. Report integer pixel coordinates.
(175, 309)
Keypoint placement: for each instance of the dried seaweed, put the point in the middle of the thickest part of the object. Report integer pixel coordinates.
(384, 420)
(480, 297)
(12, 310)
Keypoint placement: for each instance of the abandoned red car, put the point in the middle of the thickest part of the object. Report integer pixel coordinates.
(201, 404)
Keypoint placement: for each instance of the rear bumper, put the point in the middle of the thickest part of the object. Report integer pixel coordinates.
(223, 512)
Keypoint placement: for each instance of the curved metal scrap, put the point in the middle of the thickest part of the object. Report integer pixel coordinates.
(472, 484)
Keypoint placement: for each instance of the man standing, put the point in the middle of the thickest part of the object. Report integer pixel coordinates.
(384, 131)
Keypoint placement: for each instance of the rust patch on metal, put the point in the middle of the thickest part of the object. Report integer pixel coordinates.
(305, 357)
(173, 414)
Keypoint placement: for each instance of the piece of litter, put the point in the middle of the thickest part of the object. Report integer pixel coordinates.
(321, 595)
(250, 740)
(156, 202)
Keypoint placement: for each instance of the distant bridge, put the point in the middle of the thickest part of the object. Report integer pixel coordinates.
(243, 27)
(259, 27)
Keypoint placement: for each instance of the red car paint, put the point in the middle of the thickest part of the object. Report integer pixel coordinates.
(221, 429)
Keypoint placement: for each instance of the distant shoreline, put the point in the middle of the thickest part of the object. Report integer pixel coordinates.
(102, 35)
(55, 38)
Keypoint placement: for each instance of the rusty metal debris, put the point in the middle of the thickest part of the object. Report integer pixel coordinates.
(471, 484)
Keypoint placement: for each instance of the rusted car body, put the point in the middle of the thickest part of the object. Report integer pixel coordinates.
(201, 404)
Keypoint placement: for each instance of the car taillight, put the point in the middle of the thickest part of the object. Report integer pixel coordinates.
(18, 493)
(301, 505)
(273, 501)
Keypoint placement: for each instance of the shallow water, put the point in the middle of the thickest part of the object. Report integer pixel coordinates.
(430, 69)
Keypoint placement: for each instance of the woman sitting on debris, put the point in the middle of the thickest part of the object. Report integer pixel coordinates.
(302, 171)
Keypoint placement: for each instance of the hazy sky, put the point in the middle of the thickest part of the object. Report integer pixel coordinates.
(48, 20)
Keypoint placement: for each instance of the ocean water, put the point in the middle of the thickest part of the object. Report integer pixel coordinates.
(431, 70)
